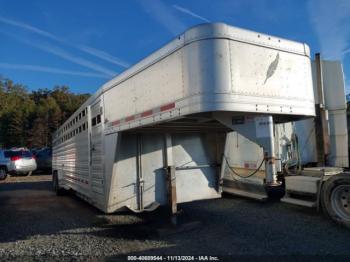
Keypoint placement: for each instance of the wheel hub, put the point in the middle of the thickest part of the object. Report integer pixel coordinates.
(340, 199)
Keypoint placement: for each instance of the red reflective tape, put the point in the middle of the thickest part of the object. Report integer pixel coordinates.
(129, 118)
(167, 107)
(115, 123)
(147, 113)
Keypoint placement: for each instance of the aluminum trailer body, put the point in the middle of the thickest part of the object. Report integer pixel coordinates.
(156, 133)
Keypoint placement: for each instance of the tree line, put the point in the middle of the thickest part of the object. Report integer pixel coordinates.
(29, 118)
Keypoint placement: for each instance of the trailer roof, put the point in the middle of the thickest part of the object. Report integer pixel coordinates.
(210, 31)
(197, 33)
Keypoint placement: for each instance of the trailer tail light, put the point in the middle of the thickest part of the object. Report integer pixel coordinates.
(14, 158)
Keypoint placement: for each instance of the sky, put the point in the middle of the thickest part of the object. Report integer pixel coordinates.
(83, 44)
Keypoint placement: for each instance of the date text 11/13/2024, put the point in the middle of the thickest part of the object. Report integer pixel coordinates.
(173, 258)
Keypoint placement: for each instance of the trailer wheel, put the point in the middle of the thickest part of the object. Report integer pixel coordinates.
(55, 185)
(336, 198)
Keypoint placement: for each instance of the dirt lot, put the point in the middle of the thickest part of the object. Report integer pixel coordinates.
(35, 223)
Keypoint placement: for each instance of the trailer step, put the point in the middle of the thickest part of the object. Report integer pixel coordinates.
(243, 193)
(299, 202)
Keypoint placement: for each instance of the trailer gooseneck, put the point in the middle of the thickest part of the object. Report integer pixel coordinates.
(311, 154)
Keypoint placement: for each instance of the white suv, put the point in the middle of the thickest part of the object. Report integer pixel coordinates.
(16, 161)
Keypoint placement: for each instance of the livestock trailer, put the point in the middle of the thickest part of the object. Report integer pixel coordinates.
(155, 134)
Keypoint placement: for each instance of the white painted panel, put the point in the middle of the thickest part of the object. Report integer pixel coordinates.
(198, 183)
(123, 187)
(157, 85)
(207, 67)
(305, 130)
(259, 71)
(242, 152)
(338, 138)
(153, 172)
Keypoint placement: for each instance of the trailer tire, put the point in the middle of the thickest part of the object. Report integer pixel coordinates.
(3, 173)
(335, 199)
(55, 185)
(275, 192)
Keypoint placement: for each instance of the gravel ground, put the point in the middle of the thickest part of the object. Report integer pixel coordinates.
(37, 225)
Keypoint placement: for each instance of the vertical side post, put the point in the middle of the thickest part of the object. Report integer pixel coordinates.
(171, 178)
(172, 192)
(89, 126)
(269, 151)
(223, 164)
(322, 126)
(139, 171)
